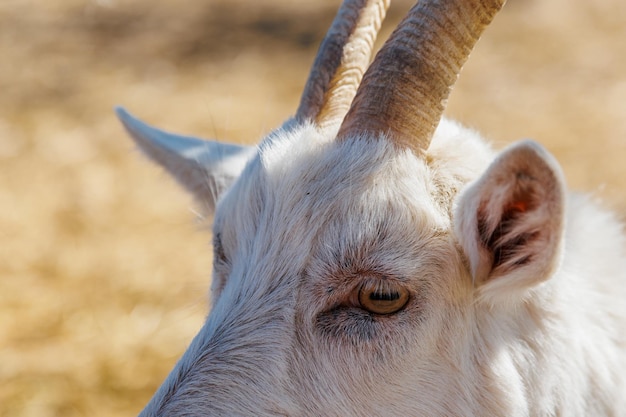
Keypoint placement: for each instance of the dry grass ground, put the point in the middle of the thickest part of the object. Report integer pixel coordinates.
(103, 270)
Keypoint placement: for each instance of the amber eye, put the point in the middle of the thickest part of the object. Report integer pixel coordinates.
(382, 297)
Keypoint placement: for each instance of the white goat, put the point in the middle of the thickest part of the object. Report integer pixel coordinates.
(372, 259)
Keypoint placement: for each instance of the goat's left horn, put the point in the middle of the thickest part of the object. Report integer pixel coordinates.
(341, 61)
(404, 91)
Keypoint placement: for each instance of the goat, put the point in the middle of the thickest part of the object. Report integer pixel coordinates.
(374, 259)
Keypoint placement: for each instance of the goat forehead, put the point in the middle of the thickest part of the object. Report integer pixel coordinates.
(306, 184)
(304, 171)
(306, 166)
(308, 197)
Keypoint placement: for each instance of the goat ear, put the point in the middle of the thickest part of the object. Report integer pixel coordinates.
(510, 222)
(205, 168)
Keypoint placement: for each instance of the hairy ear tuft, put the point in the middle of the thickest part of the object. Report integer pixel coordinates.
(205, 168)
(510, 221)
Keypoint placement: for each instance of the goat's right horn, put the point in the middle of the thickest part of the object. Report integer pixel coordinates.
(341, 61)
(404, 91)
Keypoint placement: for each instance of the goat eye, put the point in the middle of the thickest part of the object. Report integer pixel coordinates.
(383, 297)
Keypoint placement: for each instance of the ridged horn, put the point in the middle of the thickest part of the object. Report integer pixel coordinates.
(341, 61)
(404, 91)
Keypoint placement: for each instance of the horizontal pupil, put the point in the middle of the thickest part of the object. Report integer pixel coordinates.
(381, 296)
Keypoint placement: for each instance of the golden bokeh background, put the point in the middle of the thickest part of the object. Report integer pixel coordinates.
(104, 267)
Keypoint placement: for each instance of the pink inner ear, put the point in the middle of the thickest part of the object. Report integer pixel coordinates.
(526, 195)
(519, 206)
(505, 240)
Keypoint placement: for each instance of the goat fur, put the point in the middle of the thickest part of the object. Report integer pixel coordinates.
(309, 218)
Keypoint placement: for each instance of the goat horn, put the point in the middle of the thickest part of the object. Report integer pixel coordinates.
(341, 61)
(404, 91)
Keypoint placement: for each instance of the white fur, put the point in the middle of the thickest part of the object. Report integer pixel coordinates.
(309, 219)
(517, 289)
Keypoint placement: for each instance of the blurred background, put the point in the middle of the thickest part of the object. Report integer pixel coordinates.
(104, 265)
